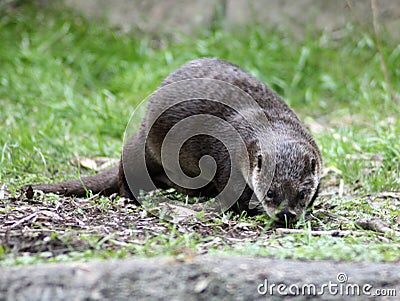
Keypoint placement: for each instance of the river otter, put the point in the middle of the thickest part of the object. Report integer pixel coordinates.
(277, 165)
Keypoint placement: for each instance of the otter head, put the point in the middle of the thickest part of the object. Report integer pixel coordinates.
(295, 173)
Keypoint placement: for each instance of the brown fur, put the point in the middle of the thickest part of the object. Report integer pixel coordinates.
(298, 160)
(105, 183)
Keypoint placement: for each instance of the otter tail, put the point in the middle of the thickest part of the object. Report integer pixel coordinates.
(105, 183)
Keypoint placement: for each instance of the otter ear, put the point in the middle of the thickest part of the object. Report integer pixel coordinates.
(254, 152)
(313, 165)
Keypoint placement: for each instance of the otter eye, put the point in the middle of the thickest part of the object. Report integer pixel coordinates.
(302, 195)
(270, 193)
(259, 161)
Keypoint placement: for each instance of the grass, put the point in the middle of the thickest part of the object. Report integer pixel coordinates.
(68, 87)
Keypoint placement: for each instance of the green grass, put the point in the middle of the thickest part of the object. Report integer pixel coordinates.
(68, 87)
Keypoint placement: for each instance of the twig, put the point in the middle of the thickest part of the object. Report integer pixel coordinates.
(23, 220)
(379, 47)
(384, 194)
(334, 233)
(329, 215)
(376, 225)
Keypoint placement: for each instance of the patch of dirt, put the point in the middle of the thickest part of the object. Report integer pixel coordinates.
(51, 225)
(59, 225)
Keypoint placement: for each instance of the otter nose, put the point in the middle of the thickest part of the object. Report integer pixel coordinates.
(285, 216)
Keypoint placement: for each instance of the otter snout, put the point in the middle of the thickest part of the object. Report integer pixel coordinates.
(285, 217)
